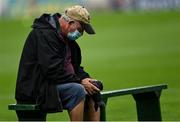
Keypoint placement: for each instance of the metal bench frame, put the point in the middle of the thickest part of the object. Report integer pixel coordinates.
(147, 100)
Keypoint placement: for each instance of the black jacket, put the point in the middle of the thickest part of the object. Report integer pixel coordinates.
(42, 62)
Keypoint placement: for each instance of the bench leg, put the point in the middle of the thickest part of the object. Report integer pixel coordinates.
(103, 111)
(148, 106)
(31, 115)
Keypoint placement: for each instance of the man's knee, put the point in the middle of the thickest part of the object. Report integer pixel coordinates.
(79, 89)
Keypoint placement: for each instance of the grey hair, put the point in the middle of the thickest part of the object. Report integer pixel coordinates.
(66, 18)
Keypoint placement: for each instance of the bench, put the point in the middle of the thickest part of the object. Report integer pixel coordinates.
(146, 98)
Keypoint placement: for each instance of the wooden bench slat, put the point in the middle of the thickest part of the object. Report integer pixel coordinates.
(136, 90)
(23, 107)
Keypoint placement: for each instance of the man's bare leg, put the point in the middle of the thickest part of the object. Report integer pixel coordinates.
(77, 113)
(92, 115)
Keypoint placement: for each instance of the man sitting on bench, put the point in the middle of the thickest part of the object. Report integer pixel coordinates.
(50, 74)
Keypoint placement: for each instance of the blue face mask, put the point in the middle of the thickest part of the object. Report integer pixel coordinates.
(74, 35)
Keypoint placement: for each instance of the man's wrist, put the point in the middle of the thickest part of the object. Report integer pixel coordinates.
(88, 78)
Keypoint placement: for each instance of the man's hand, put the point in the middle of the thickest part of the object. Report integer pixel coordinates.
(91, 89)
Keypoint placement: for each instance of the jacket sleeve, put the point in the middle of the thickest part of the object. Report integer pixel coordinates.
(76, 61)
(51, 54)
(81, 73)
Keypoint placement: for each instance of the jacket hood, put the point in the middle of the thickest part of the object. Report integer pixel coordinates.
(47, 21)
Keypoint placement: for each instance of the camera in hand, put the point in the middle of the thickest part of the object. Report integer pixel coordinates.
(97, 97)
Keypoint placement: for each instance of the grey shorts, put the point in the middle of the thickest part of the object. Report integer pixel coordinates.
(71, 94)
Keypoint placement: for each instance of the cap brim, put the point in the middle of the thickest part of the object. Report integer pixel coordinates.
(88, 28)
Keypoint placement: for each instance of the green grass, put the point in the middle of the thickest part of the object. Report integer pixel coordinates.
(129, 50)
